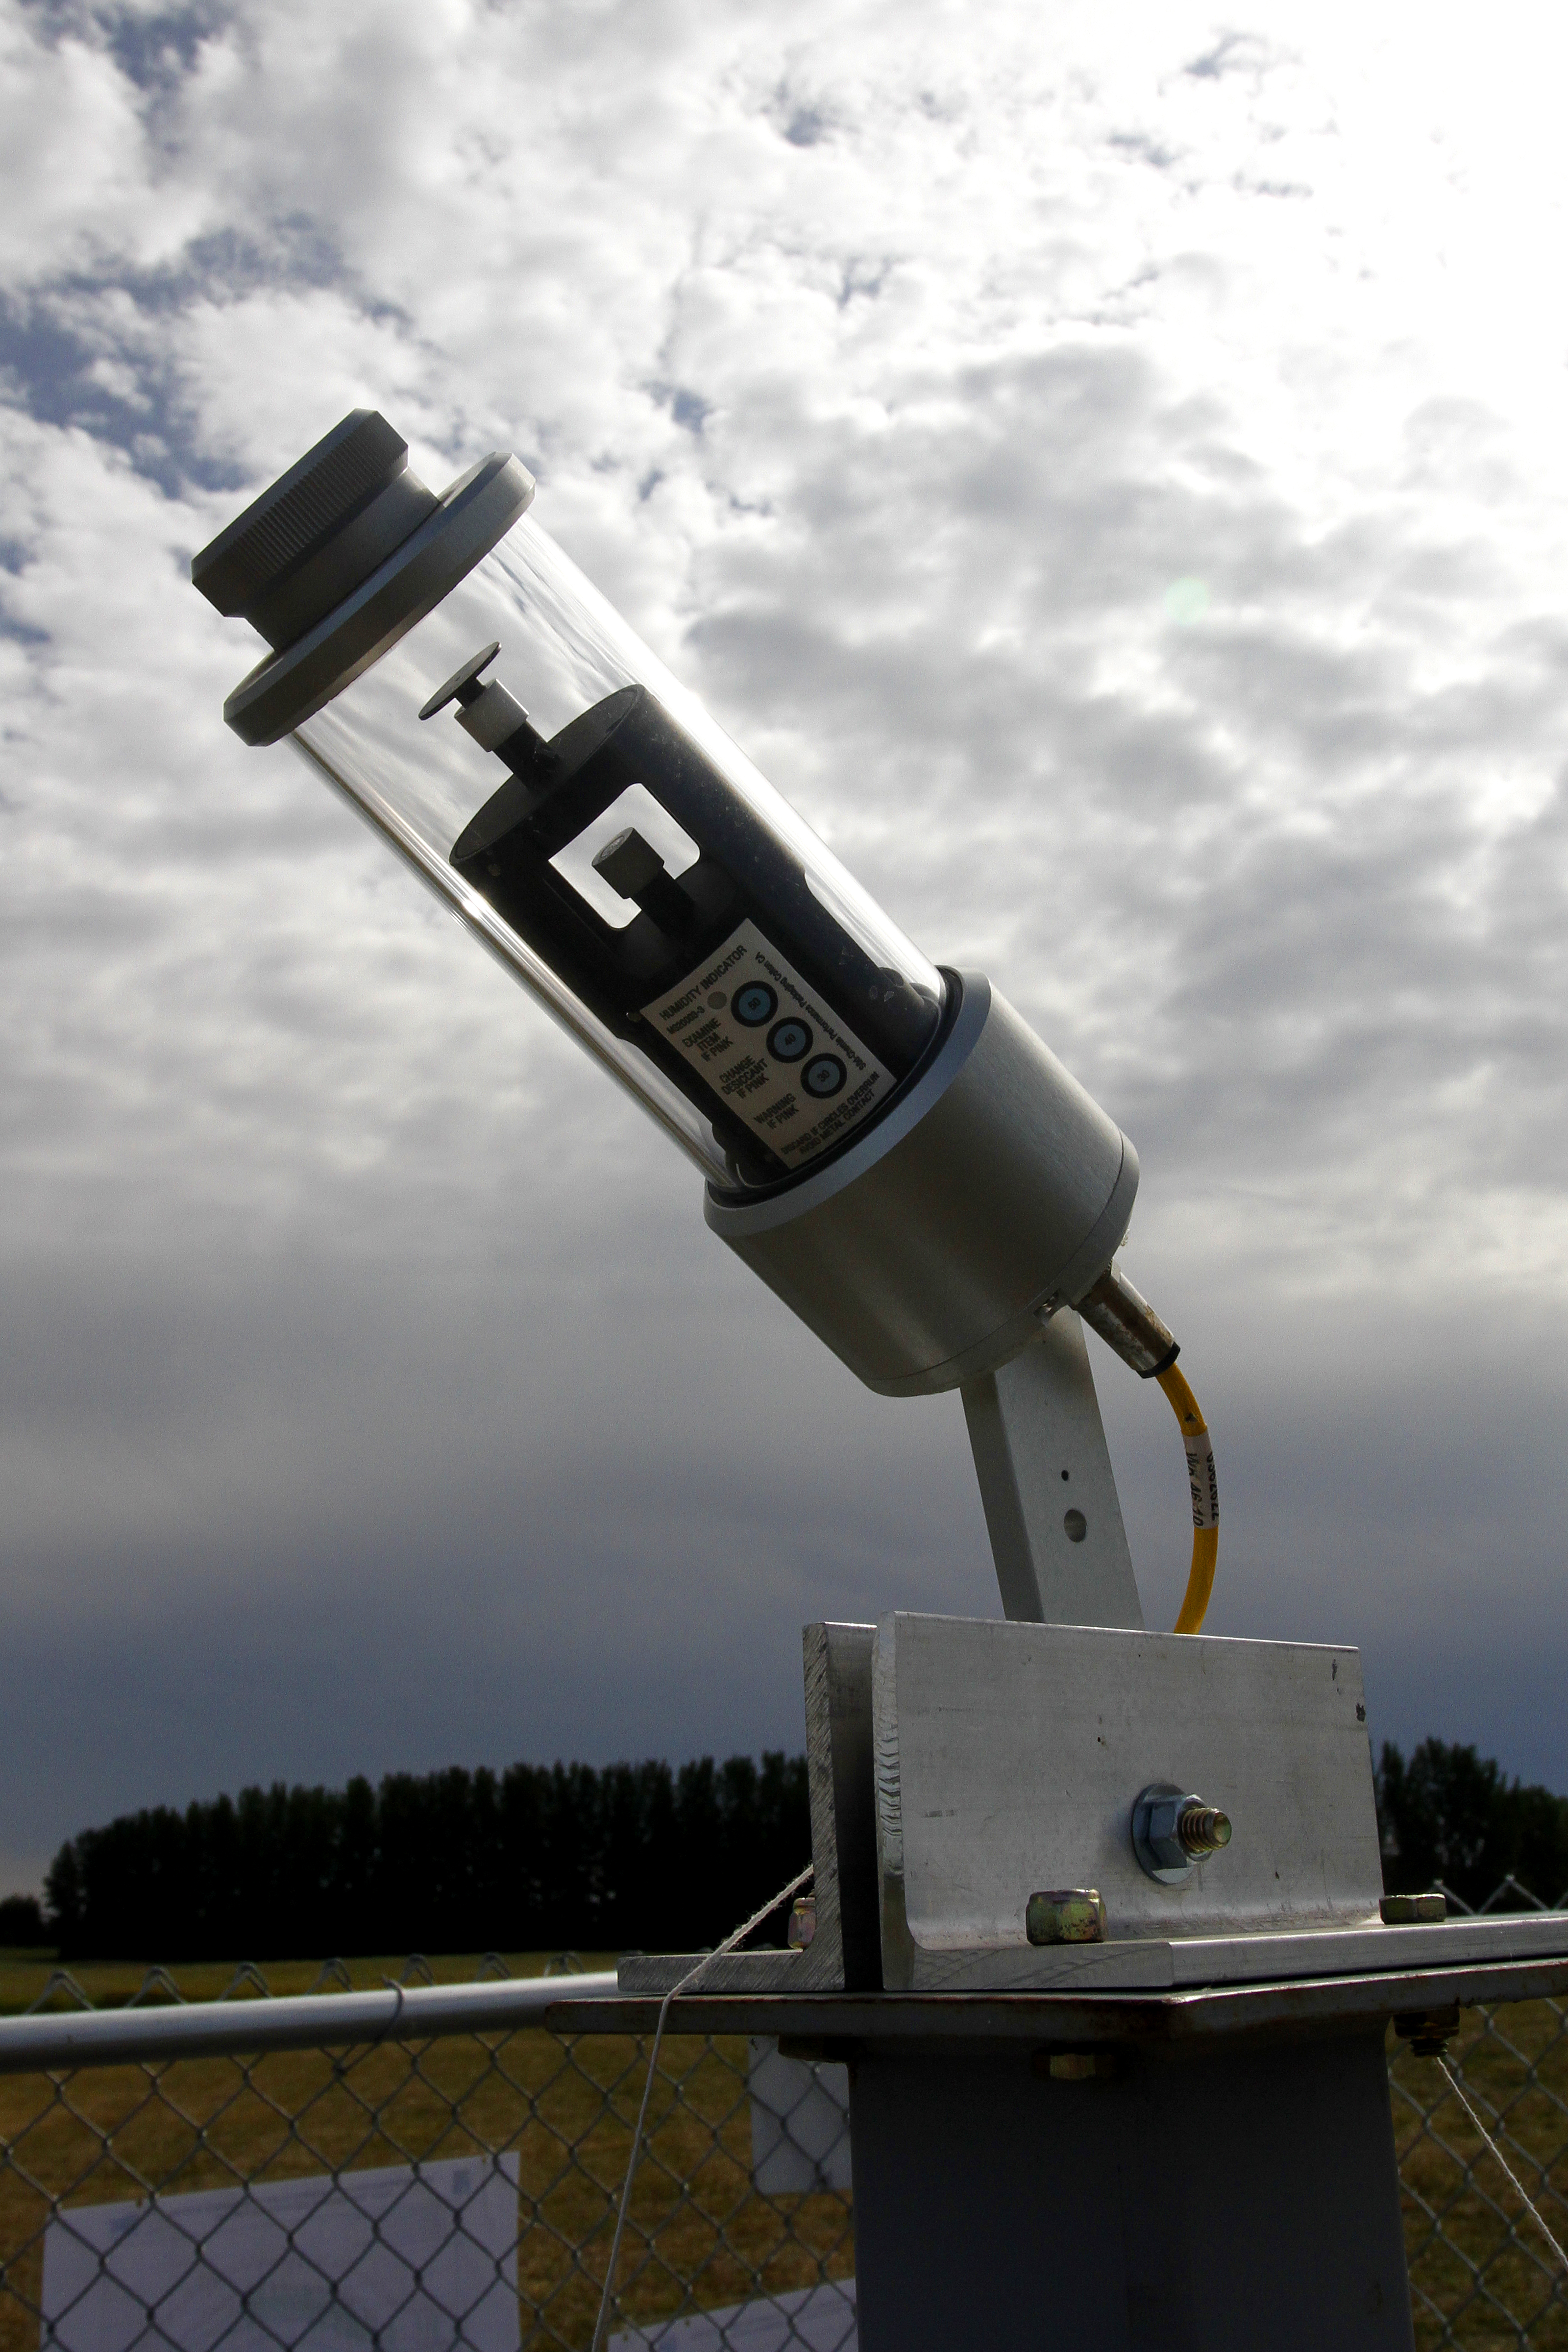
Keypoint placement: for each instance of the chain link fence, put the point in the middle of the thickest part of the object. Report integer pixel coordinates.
(426, 2191)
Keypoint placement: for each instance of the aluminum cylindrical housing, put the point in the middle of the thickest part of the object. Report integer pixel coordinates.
(995, 1191)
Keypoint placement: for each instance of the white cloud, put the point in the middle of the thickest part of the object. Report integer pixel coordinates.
(1106, 473)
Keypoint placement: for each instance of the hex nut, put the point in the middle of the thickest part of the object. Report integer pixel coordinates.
(1430, 2031)
(1173, 1830)
(1069, 1915)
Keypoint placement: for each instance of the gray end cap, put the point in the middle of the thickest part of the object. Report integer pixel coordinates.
(242, 569)
(287, 688)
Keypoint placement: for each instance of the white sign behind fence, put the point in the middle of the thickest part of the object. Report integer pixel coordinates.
(818, 2319)
(800, 2123)
(416, 2258)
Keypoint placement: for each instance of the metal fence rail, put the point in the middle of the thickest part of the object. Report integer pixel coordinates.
(422, 2167)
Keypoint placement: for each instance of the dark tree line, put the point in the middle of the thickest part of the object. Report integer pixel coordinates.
(21, 1923)
(563, 1857)
(635, 1856)
(1452, 1814)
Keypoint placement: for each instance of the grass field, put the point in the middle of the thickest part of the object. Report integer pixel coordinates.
(565, 2107)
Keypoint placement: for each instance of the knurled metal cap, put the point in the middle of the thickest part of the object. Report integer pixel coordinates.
(338, 511)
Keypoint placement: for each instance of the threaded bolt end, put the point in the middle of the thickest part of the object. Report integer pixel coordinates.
(1203, 1828)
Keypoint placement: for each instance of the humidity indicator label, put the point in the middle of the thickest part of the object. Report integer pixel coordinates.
(766, 1042)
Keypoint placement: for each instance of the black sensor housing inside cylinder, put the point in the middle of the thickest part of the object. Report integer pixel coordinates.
(745, 874)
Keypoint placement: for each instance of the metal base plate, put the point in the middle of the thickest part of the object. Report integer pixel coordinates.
(833, 2022)
(1158, 1964)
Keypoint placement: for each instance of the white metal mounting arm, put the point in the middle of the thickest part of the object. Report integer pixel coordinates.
(1045, 1481)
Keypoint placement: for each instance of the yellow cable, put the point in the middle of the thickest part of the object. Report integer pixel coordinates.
(1205, 1499)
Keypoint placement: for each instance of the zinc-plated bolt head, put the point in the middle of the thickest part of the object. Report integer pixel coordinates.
(1173, 1830)
(802, 1922)
(1407, 1910)
(1076, 2065)
(1067, 1915)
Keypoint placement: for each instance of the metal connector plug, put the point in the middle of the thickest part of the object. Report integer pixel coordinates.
(1127, 1323)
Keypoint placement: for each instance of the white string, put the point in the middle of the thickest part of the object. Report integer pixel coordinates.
(691, 1978)
(1518, 2184)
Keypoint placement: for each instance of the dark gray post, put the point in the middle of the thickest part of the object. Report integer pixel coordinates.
(1243, 2197)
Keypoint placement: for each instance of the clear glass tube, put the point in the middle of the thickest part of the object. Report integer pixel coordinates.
(603, 838)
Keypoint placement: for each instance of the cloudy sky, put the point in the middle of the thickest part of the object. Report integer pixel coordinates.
(1106, 467)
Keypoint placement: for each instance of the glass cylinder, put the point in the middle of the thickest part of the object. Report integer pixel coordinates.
(586, 817)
